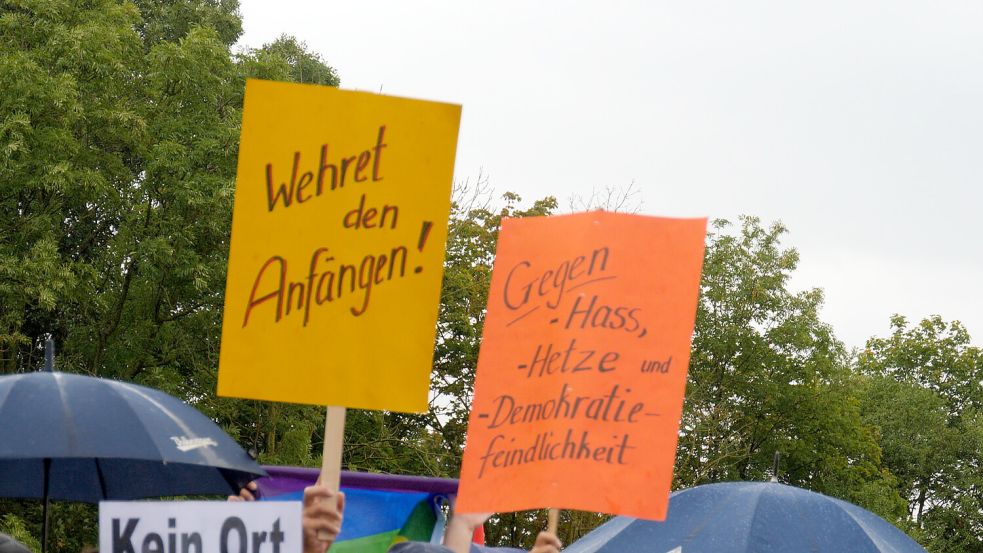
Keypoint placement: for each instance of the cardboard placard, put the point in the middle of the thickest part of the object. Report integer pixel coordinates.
(338, 236)
(583, 361)
(200, 526)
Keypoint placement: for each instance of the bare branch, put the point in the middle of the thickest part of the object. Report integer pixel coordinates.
(617, 199)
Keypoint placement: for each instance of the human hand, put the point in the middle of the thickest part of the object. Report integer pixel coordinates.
(469, 520)
(321, 518)
(546, 542)
(460, 530)
(246, 493)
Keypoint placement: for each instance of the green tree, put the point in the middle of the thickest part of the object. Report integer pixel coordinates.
(924, 396)
(432, 443)
(305, 66)
(119, 129)
(767, 375)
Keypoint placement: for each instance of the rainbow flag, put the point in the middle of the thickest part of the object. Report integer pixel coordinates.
(380, 509)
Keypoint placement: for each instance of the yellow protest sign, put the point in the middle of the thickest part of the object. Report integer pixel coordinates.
(337, 250)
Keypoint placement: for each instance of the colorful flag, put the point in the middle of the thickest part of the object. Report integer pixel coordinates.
(380, 509)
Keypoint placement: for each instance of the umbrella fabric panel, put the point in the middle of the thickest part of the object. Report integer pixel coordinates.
(143, 479)
(92, 480)
(183, 434)
(715, 520)
(51, 415)
(805, 519)
(744, 517)
(105, 439)
(601, 535)
(60, 415)
(883, 534)
(752, 516)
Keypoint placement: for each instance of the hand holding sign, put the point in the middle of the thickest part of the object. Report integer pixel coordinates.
(322, 517)
(583, 364)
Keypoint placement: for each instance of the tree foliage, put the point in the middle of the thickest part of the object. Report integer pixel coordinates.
(119, 126)
(119, 130)
(767, 375)
(924, 395)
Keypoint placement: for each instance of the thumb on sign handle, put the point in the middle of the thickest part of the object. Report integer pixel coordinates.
(334, 440)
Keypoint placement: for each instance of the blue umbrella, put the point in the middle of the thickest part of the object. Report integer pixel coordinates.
(78, 438)
(760, 517)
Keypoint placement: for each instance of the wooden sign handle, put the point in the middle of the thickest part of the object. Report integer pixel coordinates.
(334, 443)
(552, 520)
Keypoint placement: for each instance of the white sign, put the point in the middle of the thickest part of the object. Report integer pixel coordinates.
(200, 527)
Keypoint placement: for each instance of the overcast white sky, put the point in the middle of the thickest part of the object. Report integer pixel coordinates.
(857, 124)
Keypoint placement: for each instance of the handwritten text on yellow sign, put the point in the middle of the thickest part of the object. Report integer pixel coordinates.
(337, 247)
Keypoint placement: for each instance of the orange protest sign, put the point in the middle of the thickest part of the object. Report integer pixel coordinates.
(338, 233)
(583, 361)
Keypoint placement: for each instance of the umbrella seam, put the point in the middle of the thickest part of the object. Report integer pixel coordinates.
(706, 520)
(863, 526)
(70, 429)
(754, 515)
(813, 544)
(210, 457)
(102, 479)
(116, 387)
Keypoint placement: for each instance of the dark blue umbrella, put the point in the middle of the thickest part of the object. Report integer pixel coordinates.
(78, 438)
(760, 517)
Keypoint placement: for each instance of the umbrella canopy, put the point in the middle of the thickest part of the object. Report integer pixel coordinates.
(79, 438)
(760, 517)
